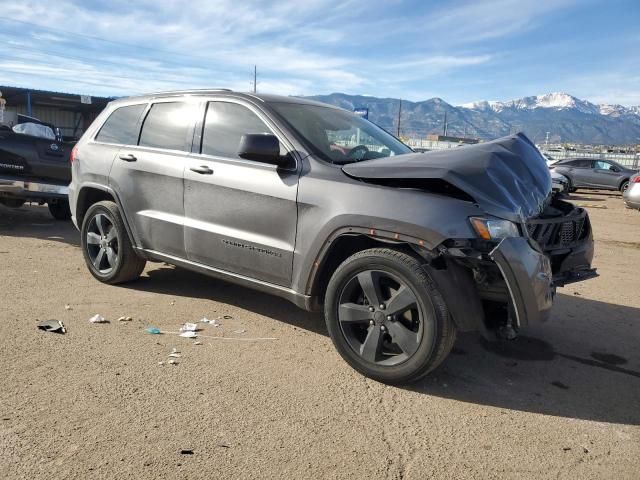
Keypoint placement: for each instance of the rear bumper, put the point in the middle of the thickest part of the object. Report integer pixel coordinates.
(32, 190)
(632, 196)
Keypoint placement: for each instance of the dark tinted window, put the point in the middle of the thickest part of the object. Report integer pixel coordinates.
(224, 125)
(581, 163)
(120, 127)
(167, 124)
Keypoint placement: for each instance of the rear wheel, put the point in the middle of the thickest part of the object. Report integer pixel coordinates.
(624, 186)
(59, 209)
(386, 317)
(106, 247)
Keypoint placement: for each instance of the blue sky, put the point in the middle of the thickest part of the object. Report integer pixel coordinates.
(460, 51)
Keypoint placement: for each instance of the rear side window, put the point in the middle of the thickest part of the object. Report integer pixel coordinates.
(120, 127)
(224, 125)
(581, 163)
(167, 126)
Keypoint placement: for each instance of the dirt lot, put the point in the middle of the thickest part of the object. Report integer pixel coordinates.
(562, 401)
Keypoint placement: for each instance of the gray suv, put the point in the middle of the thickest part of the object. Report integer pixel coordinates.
(319, 206)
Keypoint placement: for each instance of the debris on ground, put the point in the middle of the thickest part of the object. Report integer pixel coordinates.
(186, 451)
(153, 331)
(55, 326)
(197, 343)
(67, 307)
(213, 322)
(240, 331)
(175, 350)
(97, 318)
(161, 363)
(227, 317)
(175, 355)
(189, 327)
(172, 361)
(125, 319)
(189, 334)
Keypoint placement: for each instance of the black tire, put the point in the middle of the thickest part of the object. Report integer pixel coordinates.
(425, 327)
(106, 246)
(12, 202)
(624, 186)
(59, 209)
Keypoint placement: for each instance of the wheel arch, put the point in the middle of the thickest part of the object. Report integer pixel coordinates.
(93, 193)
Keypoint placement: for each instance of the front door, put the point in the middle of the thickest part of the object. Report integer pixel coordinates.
(606, 175)
(240, 215)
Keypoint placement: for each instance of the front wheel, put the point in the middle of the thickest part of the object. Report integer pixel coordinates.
(106, 247)
(386, 317)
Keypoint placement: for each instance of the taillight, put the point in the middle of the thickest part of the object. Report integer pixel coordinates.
(636, 179)
(74, 152)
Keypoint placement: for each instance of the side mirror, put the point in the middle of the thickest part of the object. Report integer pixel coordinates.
(261, 147)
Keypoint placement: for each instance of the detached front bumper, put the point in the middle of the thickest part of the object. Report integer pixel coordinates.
(558, 251)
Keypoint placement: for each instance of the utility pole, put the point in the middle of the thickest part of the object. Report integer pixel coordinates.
(399, 113)
(546, 140)
(255, 78)
(445, 124)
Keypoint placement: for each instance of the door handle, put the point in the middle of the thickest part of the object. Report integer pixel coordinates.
(202, 170)
(128, 157)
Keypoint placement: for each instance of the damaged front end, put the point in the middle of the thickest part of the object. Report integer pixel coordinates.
(528, 242)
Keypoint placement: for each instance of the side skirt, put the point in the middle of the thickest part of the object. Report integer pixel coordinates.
(305, 302)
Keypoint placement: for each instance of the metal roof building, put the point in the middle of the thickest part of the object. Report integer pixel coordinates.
(71, 113)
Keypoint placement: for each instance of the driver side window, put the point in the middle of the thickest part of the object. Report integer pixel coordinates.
(225, 124)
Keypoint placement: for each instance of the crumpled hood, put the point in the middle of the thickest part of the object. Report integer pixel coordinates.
(507, 177)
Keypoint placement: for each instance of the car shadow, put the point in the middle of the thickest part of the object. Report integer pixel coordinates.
(582, 364)
(35, 221)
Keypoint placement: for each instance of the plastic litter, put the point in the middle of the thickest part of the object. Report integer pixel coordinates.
(67, 307)
(213, 322)
(175, 355)
(175, 350)
(172, 361)
(197, 343)
(54, 326)
(153, 331)
(189, 334)
(189, 327)
(125, 319)
(240, 331)
(97, 318)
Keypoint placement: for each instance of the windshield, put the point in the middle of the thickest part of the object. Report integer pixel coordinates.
(338, 136)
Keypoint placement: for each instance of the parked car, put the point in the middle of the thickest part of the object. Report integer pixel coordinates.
(34, 166)
(559, 183)
(400, 249)
(631, 195)
(594, 174)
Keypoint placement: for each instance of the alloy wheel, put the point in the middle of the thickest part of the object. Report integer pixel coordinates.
(102, 243)
(380, 317)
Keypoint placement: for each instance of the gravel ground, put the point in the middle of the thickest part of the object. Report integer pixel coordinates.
(562, 401)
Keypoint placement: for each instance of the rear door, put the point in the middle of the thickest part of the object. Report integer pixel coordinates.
(149, 176)
(580, 172)
(240, 215)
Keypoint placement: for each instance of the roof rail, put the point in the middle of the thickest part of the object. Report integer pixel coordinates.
(193, 90)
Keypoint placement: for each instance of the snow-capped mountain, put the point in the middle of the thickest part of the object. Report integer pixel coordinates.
(565, 117)
(557, 101)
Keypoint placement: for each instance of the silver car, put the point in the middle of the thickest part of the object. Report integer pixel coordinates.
(631, 195)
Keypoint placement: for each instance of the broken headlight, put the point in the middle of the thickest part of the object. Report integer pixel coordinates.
(493, 228)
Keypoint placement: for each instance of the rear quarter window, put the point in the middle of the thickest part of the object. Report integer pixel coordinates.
(120, 127)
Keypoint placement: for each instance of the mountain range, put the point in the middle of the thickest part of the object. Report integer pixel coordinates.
(565, 117)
